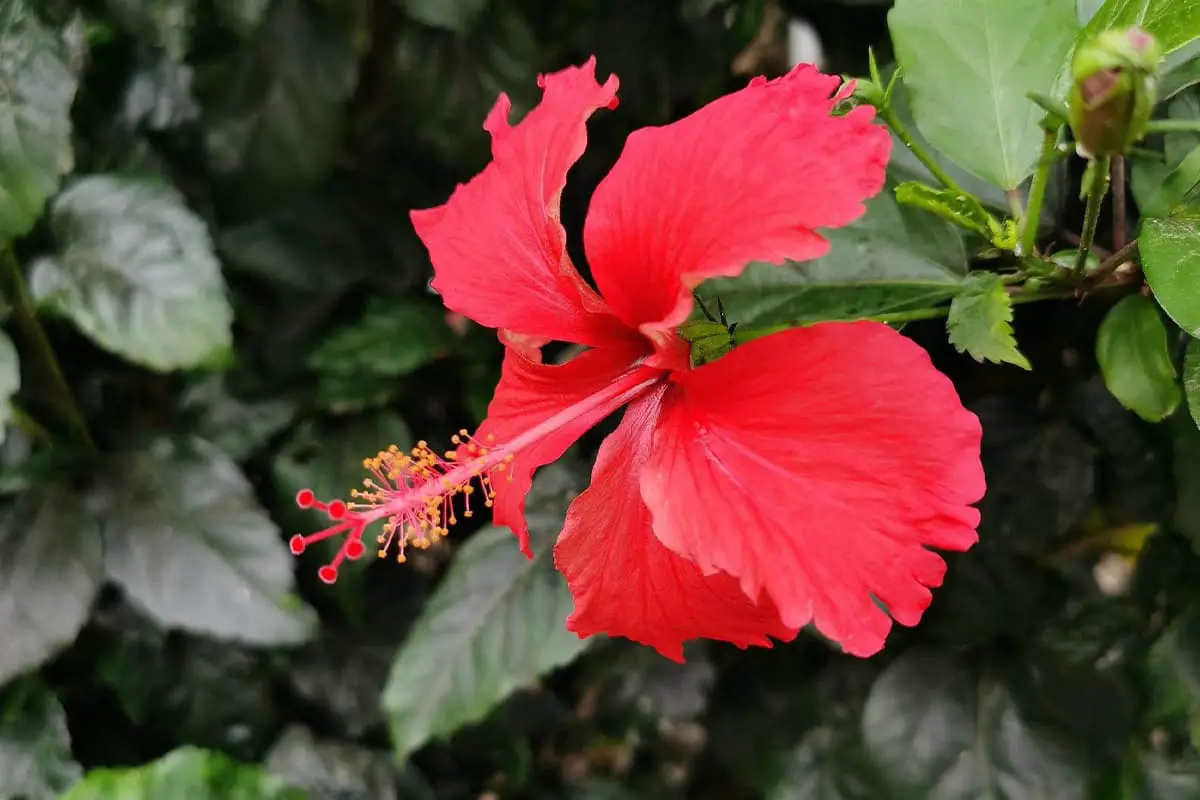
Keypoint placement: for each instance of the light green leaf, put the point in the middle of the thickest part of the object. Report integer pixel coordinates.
(1174, 23)
(942, 730)
(50, 571)
(453, 15)
(35, 745)
(961, 209)
(184, 773)
(136, 272)
(980, 321)
(186, 539)
(893, 259)
(274, 111)
(1170, 250)
(10, 381)
(495, 624)
(37, 88)
(968, 65)
(1131, 349)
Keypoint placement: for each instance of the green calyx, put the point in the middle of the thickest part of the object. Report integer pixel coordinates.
(1115, 87)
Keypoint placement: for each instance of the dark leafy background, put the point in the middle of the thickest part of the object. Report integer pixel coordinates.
(207, 202)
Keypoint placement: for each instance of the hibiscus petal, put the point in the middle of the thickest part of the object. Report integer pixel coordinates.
(530, 393)
(817, 465)
(497, 246)
(748, 177)
(625, 582)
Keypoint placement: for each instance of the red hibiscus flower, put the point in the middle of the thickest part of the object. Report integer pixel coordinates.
(799, 478)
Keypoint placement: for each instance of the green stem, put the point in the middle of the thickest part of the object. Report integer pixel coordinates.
(43, 353)
(890, 119)
(743, 335)
(1037, 191)
(1095, 197)
(1173, 126)
(31, 427)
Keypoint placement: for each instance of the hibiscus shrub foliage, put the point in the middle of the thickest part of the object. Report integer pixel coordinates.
(903, 501)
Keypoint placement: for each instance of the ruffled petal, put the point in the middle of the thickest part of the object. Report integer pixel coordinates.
(817, 465)
(531, 393)
(749, 177)
(497, 246)
(625, 582)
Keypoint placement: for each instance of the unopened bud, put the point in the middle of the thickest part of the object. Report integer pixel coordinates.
(1115, 76)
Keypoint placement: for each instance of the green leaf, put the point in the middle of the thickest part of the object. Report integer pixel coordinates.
(453, 15)
(938, 729)
(1174, 23)
(980, 321)
(968, 65)
(239, 427)
(35, 118)
(160, 23)
(1186, 451)
(828, 764)
(1132, 351)
(495, 624)
(186, 539)
(360, 362)
(1191, 379)
(1150, 776)
(242, 16)
(892, 259)
(35, 745)
(1160, 186)
(184, 773)
(1174, 675)
(10, 381)
(50, 572)
(135, 271)
(338, 769)
(1168, 248)
(274, 110)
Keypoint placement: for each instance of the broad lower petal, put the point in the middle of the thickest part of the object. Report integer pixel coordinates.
(749, 177)
(497, 246)
(531, 394)
(625, 582)
(817, 465)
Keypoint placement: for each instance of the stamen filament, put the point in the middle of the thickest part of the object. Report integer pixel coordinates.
(414, 491)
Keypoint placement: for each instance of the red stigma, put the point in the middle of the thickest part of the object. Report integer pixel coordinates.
(305, 498)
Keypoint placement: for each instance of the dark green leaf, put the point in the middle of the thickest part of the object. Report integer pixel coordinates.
(1131, 349)
(1174, 23)
(184, 773)
(447, 83)
(938, 729)
(968, 65)
(160, 23)
(495, 624)
(190, 688)
(1174, 670)
(159, 97)
(980, 321)
(35, 746)
(273, 119)
(1168, 247)
(453, 15)
(187, 541)
(239, 427)
(361, 362)
(10, 381)
(136, 272)
(828, 764)
(50, 571)
(342, 770)
(35, 121)
(1150, 776)
(1187, 477)
(891, 260)
(242, 16)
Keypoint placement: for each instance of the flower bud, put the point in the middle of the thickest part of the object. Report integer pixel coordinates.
(1115, 88)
